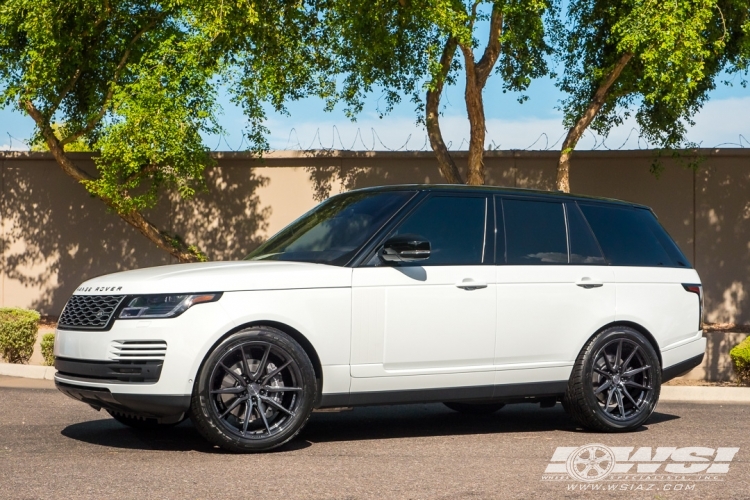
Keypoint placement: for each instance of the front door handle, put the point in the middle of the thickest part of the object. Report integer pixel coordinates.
(470, 284)
(587, 283)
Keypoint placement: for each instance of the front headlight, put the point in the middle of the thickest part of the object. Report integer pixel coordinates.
(163, 306)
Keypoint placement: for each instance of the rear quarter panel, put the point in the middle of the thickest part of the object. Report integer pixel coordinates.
(655, 299)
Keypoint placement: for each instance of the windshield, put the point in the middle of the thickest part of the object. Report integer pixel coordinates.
(334, 231)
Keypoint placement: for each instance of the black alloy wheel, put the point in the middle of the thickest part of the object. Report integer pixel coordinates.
(615, 383)
(254, 392)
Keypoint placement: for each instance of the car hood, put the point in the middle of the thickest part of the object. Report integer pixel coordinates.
(218, 277)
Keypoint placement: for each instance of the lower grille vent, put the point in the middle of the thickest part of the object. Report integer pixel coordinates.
(114, 371)
(137, 350)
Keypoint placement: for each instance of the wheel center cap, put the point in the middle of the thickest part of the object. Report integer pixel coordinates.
(616, 379)
(253, 389)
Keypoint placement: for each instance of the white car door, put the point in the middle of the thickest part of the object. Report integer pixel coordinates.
(553, 289)
(430, 323)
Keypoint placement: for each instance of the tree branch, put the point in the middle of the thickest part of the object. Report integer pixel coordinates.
(447, 166)
(492, 50)
(65, 91)
(134, 218)
(68, 88)
(93, 121)
(577, 130)
(54, 144)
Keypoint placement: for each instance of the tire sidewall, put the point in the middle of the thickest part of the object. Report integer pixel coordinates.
(201, 407)
(588, 369)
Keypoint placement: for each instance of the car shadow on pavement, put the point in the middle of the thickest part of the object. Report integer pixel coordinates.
(384, 422)
(436, 420)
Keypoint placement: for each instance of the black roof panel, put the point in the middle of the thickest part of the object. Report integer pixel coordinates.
(534, 193)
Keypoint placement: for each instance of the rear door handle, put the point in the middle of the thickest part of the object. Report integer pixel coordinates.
(470, 284)
(587, 283)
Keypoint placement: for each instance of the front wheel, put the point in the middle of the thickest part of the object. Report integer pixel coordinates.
(615, 383)
(254, 392)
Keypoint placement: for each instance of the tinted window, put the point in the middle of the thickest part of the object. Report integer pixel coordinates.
(583, 247)
(666, 241)
(333, 232)
(627, 236)
(453, 225)
(534, 232)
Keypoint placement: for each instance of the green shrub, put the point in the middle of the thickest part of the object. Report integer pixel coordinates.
(740, 355)
(48, 347)
(18, 330)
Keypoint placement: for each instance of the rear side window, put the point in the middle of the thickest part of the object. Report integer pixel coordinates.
(632, 237)
(535, 232)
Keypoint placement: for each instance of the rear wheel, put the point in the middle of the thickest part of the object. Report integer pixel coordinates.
(615, 383)
(254, 392)
(475, 408)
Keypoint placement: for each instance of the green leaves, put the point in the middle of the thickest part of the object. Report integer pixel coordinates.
(678, 48)
(135, 81)
(151, 139)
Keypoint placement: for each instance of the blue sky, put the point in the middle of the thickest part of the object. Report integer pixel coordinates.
(535, 124)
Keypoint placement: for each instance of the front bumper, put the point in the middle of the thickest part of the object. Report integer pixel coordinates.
(154, 378)
(144, 405)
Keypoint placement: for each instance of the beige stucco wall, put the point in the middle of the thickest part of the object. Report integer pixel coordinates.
(53, 235)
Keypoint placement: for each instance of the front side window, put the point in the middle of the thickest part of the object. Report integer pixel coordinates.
(534, 232)
(334, 231)
(454, 226)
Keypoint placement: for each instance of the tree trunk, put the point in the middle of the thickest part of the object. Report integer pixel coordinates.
(577, 130)
(475, 111)
(447, 166)
(162, 240)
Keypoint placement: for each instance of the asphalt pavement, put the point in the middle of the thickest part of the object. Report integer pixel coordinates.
(54, 447)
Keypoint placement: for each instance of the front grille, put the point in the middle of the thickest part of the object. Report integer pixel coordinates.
(137, 349)
(89, 312)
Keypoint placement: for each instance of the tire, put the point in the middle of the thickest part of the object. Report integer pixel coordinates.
(140, 423)
(254, 392)
(475, 408)
(615, 383)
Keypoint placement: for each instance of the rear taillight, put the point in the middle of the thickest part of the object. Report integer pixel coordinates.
(697, 289)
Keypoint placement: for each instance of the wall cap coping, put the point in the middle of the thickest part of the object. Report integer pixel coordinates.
(342, 154)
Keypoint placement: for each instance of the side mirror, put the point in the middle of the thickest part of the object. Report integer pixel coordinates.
(405, 248)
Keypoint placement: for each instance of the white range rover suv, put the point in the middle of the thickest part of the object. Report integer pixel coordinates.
(471, 296)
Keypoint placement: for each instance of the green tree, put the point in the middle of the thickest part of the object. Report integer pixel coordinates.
(661, 58)
(136, 82)
(409, 47)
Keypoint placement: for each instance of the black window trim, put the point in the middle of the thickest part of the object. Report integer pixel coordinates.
(370, 249)
(591, 233)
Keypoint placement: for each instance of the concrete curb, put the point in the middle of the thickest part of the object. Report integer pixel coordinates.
(700, 394)
(28, 371)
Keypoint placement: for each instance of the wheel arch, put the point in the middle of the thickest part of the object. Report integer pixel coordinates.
(292, 332)
(635, 326)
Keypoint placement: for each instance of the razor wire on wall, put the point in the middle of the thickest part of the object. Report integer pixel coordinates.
(373, 142)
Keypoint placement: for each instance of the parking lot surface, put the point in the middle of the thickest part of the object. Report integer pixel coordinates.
(54, 447)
